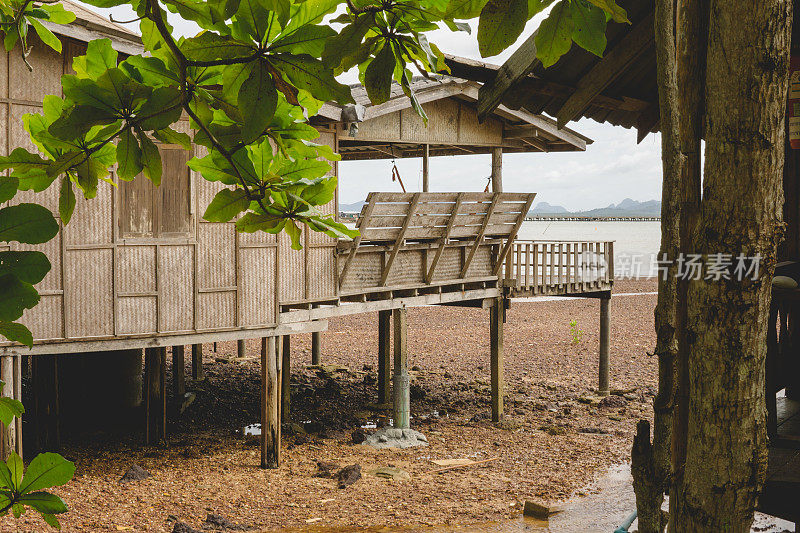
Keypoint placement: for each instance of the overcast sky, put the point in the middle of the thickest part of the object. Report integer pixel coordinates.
(611, 169)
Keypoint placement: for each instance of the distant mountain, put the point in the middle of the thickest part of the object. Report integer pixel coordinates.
(626, 208)
(543, 208)
(351, 208)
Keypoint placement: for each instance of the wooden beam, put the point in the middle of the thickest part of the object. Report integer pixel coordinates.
(316, 347)
(538, 144)
(605, 324)
(286, 376)
(647, 121)
(516, 67)
(270, 407)
(155, 396)
(197, 362)
(384, 356)
(496, 320)
(363, 222)
(445, 237)
(479, 237)
(520, 132)
(178, 371)
(606, 70)
(400, 238)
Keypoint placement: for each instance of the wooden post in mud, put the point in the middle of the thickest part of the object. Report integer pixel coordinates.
(197, 362)
(44, 374)
(178, 372)
(316, 347)
(286, 375)
(270, 406)
(11, 374)
(384, 354)
(155, 394)
(605, 323)
(402, 391)
(497, 170)
(496, 319)
(241, 349)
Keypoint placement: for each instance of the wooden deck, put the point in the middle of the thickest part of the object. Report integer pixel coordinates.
(781, 494)
(559, 268)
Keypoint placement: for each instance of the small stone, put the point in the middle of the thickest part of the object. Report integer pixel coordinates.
(134, 473)
(539, 510)
(180, 527)
(326, 469)
(391, 472)
(359, 436)
(349, 475)
(613, 402)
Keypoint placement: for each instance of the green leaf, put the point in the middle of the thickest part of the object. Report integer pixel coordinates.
(255, 17)
(6, 479)
(15, 297)
(294, 234)
(590, 27)
(170, 136)
(9, 409)
(310, 12)
(303, 169)
(89, 172)
(615, 11)
(66, 200)
(309, 40)
(348, 40)
(77, 122)
(45, 471)
(51, 520)
(23, 161)
(209, 46)
(252, 222)
(226, 205)
(47, 37)
(129, 156)
(151, 159)
(501, 23)
(554, 36)
(196, 10)
(210, 170)
(257, 101)
(44, 502)
(150, 70)
(16, 332)
(306, 72)
(320, 193)
(378, 76)
(161, 109)
(57, 14)
(8, 188)
(27, 223)
(465, 9)
(99, 57)
(88, 92)
(537, 6)
(28, 265)
(15, 467)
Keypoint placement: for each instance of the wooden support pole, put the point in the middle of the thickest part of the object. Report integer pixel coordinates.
(384, 354)
(426, 154)
(197, 362)
(402, 391)
(286, 375)
(270, 406)
(11, 438)
(316, 347)
(605, 323)
(497, 170)
(178, 371)
(241, 349)
(496, 319)
(44, 372)
(155, 397)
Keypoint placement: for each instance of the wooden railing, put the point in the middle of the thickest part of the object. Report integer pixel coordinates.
(535, 268)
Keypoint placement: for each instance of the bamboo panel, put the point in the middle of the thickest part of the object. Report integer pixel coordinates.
(471, 131)
(89, 306)
(408, 269)
(3, 121)
(136, 269)
(216, 310)
(459, 232)
(385, 127)
(442, 124)
(52, 248)
(316, 237)
(206, 190)
(45, 78)
(18, 137)
(449, 266)
(481, 264)
(256, 239)
(91, 221)
(46, 319)
(322, 266)
(257, 297)
(176, 287)
(4, 68)
(293, 270)
(216, 256)
(137, 315)
(365, 271)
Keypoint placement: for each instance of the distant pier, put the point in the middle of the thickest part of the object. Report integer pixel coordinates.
(576, 218)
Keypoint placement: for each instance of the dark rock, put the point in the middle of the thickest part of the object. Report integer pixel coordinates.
(359, 436)
(326, 469)
(613, 401)
(220, 523)
(180, 527)
(134, 473)
(482, 416)
(301, 438)
(348, 475)
(417, 392)
(593, 431)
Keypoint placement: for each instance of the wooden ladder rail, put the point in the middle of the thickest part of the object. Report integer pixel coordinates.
(445, 237)
(511, 236)
(479, 237)
(357, 241)
(412, 209)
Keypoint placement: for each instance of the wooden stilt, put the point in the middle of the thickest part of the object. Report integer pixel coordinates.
(241, 349)
(270, 406)
(402, 394)
(197, 362)
(286, 375)
(316, 347)
(10, 439)
(155, 397)
(384, 354)
(19, 365)
(496, 320)
(44, 373)
(605, 323)
(178, 371)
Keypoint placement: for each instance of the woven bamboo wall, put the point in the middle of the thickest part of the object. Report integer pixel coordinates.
(107, 283)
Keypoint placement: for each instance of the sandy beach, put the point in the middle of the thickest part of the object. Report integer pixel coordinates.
(555, 440)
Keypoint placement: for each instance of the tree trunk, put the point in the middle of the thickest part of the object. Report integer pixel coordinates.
(746, 81)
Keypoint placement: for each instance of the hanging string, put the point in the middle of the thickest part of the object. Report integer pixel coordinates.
(395, 172)
(488, 184)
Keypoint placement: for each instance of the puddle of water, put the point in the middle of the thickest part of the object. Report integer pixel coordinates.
(252, 429)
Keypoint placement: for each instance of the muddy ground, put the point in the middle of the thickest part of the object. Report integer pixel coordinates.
(554, 441)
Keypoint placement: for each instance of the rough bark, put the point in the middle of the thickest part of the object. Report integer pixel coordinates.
(649, 495)
(746, 81)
